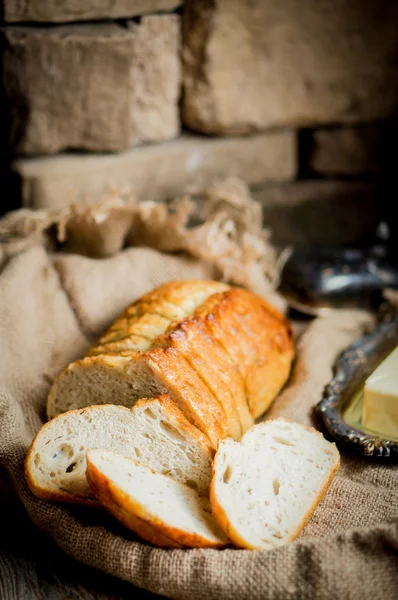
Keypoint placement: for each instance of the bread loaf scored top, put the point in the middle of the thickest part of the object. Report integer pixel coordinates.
(222, 354)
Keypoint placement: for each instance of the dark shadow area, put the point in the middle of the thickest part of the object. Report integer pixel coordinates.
(32, 567)
(307, 212)
(389, 189)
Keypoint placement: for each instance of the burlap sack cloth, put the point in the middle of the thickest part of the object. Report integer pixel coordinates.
(52, 307)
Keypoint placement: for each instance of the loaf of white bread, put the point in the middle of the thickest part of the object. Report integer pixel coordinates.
(222, 354)
(135, 424)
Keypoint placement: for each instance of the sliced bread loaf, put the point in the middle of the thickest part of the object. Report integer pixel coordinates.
(222, 364)
(266, 487)
(158, 509)
(116, 370)
(154, 432)
(124, 378)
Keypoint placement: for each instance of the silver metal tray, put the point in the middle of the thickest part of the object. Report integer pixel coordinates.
(341, 406)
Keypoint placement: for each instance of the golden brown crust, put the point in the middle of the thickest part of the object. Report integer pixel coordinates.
(227, 337)
(272, 344)
(235, 352)
(260, 320)
(142, 322)
(217, 313)
(188, 392)
(133, 343)
(148, 325)
(118, 504)
(179, 292)
(163, 308)
(134, 516)
(264, 351)
(174, 297)
(193, 340)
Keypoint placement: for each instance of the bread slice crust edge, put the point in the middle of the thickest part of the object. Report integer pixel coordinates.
(131, 513)
(221, 516)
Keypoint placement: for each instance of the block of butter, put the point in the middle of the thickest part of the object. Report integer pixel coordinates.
(380, 402)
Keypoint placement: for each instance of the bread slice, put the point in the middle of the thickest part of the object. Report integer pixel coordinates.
(158, 509)
(266, 487)
(125, 378)
(154, 432)
(257, 338)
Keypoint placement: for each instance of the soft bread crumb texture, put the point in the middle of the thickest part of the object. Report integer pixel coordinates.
(266, 487)
(135, 494)
(154, 432)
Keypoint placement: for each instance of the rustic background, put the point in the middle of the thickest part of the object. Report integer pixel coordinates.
(157, 96)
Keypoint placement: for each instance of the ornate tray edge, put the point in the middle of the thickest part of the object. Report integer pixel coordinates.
(351, 369)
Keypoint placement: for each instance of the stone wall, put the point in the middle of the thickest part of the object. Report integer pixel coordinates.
(161, 96)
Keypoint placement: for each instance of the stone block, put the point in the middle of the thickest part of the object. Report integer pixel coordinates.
(78, 10)
(255, 64)
(156, 172)
(346, 150)
(99, 87)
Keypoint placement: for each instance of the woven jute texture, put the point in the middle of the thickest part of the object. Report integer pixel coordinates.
(52, 307)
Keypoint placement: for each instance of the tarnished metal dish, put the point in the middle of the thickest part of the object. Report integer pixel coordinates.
(316, 279)
(341, 406)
